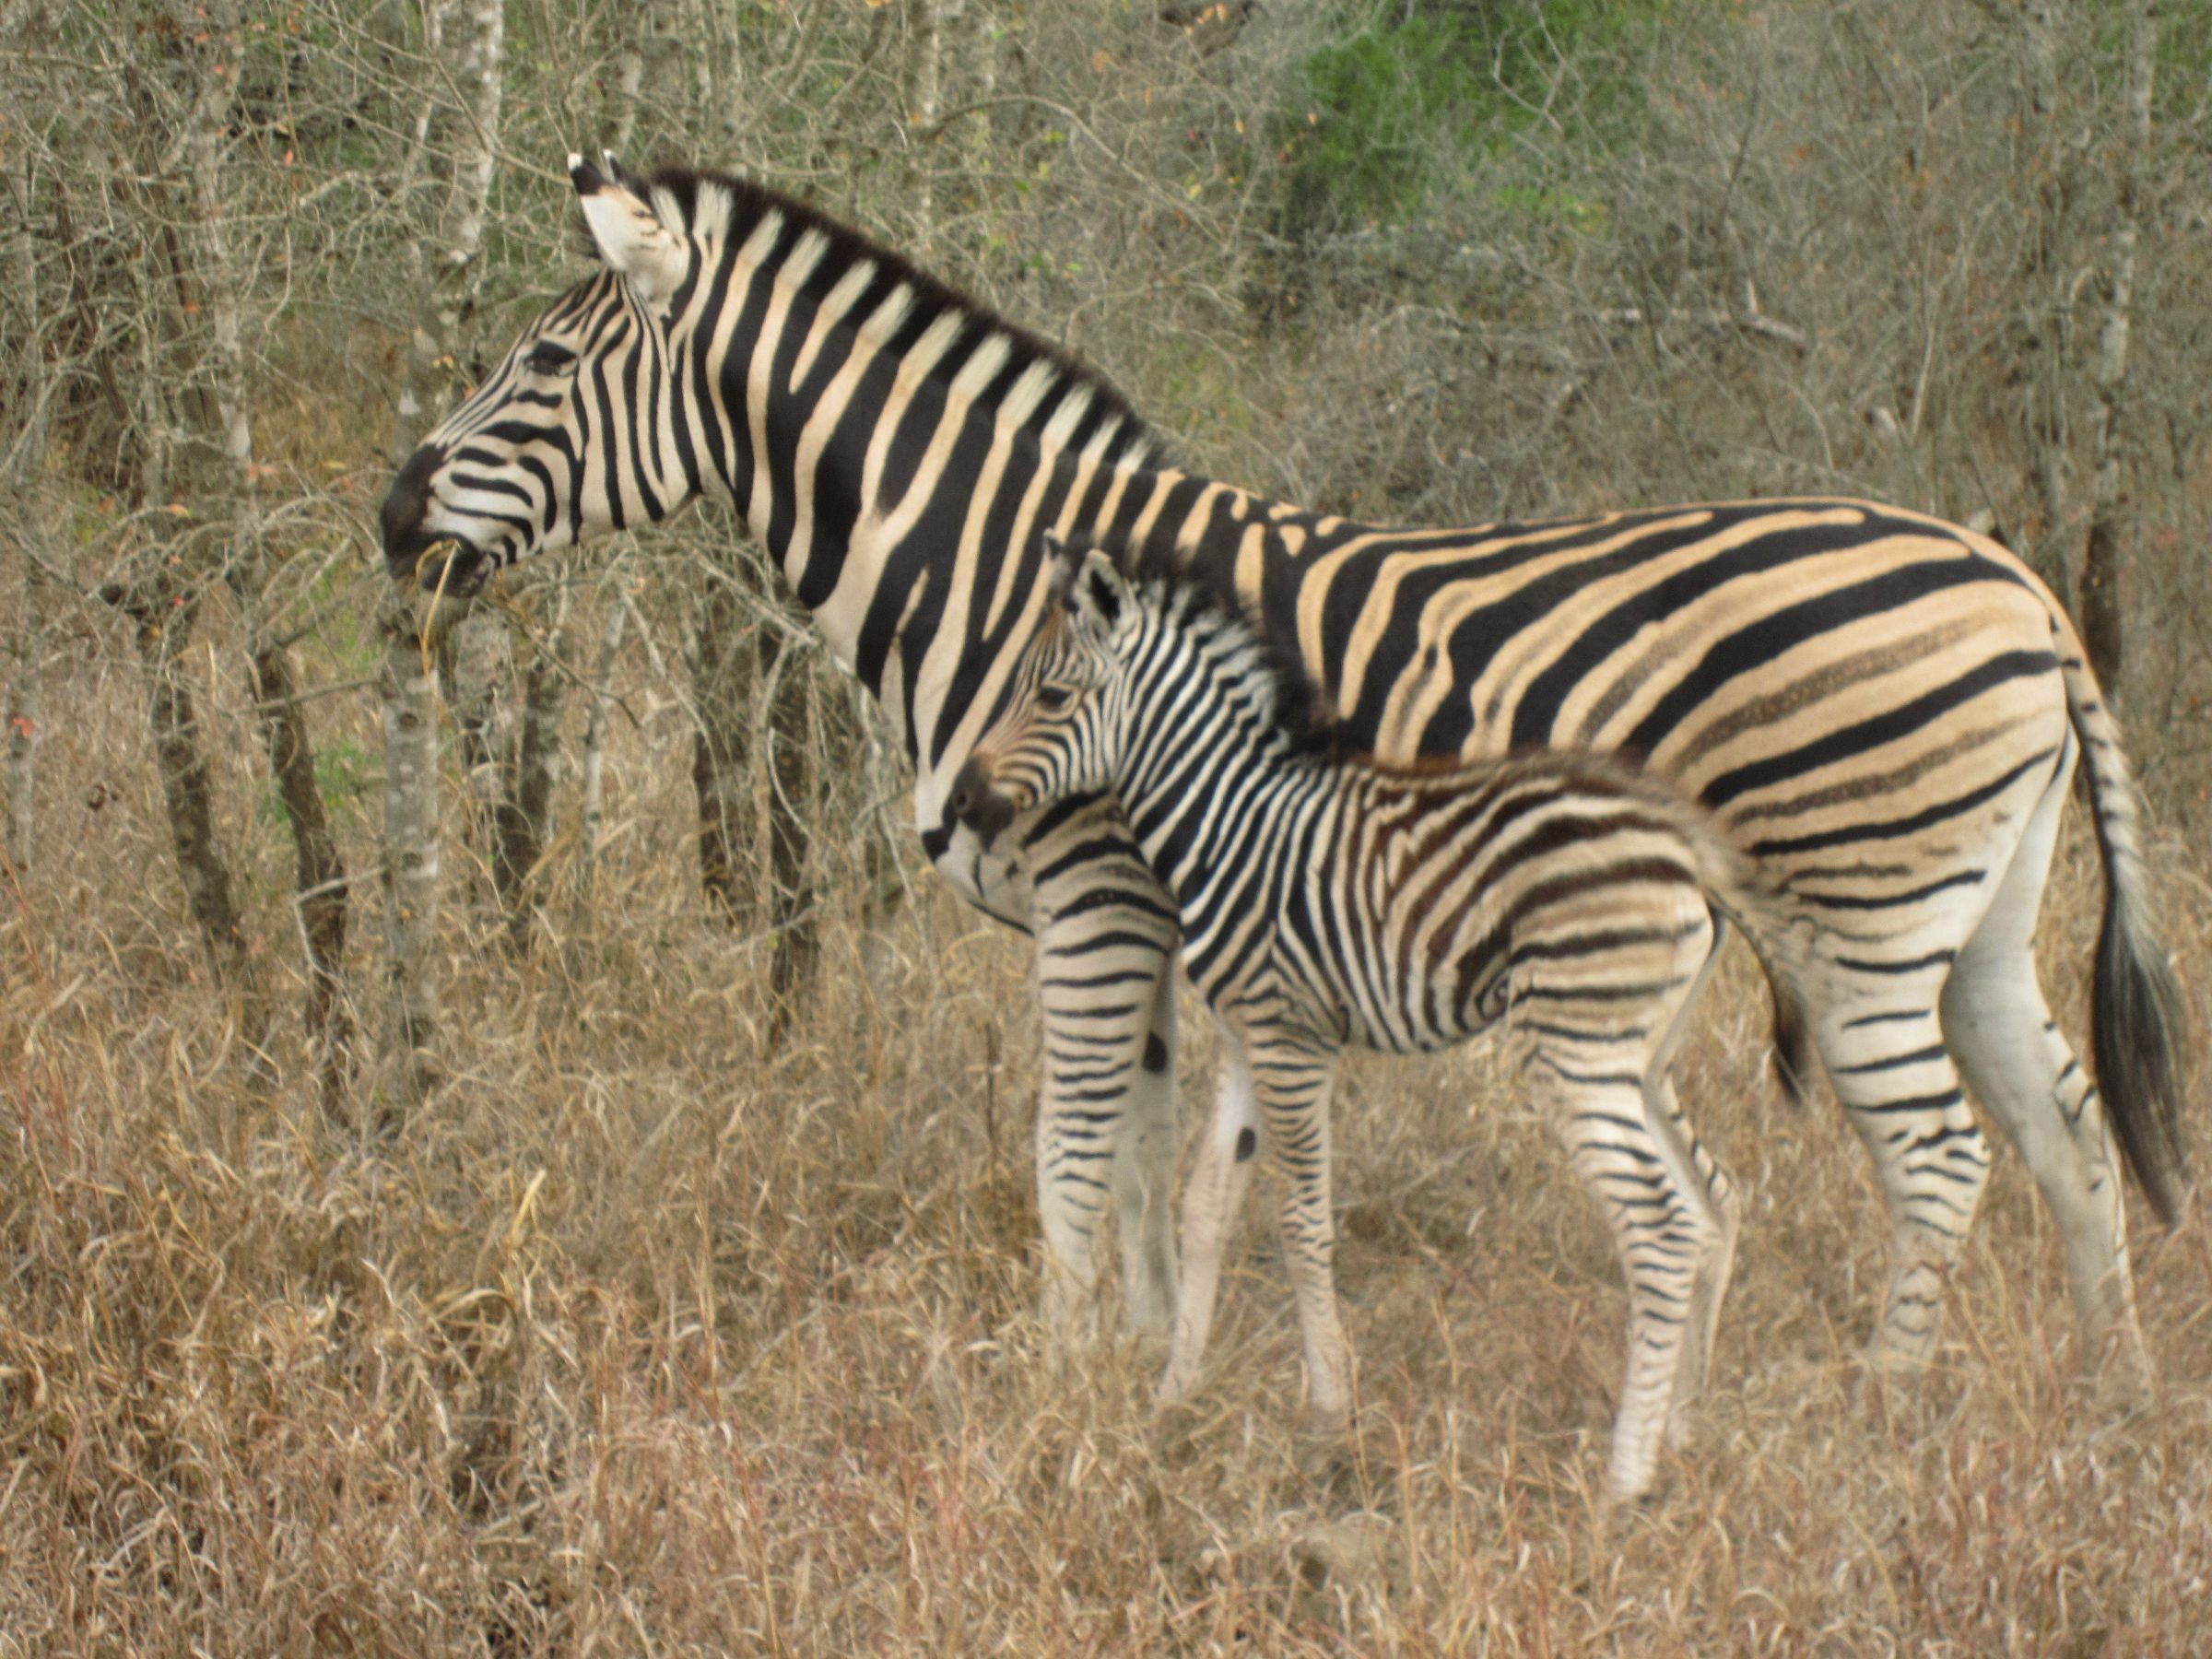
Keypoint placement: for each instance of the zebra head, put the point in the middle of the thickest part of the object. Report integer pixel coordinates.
(577, 431)
(1061, 728)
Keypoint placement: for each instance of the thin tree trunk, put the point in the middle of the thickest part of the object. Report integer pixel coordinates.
(619, 117)
(473, 668)
(272, 677)
(407, 712)
(22, 716)
(926, 91)
(450, 285)
(2047, 322)
(595, 745)
(161, 623)
(721, 697)
(527, 800)
(794, 930)
(412, 846)
(162, 609)
(2104, 561)
(32, 521)
(322, 892)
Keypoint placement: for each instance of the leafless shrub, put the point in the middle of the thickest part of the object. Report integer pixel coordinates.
(685, 1314)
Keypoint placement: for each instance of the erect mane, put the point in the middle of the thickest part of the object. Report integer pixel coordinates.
(1301, 706)
(690, 189)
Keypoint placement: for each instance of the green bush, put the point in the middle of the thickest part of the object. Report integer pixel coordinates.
(1385, 119)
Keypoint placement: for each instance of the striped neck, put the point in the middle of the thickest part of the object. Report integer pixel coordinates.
(1206, 762)
(894, 447)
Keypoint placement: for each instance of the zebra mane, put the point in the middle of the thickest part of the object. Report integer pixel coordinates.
(1293, 699)
(690, 189)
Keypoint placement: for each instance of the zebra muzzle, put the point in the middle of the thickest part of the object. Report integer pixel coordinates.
(976, 804)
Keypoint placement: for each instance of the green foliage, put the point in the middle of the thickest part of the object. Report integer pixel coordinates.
(1386, 117)
(346, 774)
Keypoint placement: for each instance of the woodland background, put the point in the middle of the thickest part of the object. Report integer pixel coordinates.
(514, 1152)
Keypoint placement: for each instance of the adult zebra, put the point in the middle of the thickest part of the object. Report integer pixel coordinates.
(1886, 710)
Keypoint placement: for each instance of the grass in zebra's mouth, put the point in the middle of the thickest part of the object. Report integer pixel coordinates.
(644, 1337)
(439, 607)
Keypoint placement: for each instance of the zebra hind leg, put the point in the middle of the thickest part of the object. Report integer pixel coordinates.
(1709, 1191)
(1595, 1064)
(2023, 1071)
(1896, 1078)
(1711, 1195)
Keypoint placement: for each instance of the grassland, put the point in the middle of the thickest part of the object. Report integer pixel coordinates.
(645, 1340)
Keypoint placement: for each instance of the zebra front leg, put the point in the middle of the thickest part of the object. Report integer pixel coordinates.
(1292, 1080)
(1106, 939)
(1211, 1201)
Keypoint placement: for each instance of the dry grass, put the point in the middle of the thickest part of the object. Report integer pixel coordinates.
(642, 1341)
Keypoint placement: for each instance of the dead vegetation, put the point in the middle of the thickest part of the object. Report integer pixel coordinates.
(640, 1334)
(647, 1340)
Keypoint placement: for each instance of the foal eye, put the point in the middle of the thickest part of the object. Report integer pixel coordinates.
(546, 358)
(1056, 697)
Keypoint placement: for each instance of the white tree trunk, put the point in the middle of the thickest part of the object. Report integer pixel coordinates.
(408, 711)
(467, 39)
(925, 102)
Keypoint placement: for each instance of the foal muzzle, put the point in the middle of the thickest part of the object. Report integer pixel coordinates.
(977, 803)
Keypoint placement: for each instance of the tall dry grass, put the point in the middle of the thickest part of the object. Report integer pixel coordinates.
(644, 1340)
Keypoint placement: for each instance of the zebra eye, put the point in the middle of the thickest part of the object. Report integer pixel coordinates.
(546, 358)
(1052, 697)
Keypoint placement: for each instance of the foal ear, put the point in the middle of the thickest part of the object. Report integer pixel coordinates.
(1099, 597)
(629, 234)
(1060, 563)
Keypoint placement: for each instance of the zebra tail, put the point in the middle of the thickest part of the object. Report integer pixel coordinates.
(1793, 1059)
(2138, 1023)
(1742, 893)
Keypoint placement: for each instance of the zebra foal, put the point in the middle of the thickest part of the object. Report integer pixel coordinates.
(1327, 903)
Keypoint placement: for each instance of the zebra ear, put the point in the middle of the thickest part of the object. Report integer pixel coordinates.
(629, 236)
(1099, 597)
(622, 175)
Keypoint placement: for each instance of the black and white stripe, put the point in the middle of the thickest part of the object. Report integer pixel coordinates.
(1885, 709)
(1327, 903)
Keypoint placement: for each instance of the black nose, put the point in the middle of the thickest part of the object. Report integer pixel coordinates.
(406, 504)
(975, 804)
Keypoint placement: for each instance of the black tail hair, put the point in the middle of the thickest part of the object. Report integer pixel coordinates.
(2138, 1021)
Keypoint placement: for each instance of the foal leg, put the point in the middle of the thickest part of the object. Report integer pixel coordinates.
(1105, 954)
(1706, 1187)
(1707, 1191)
(1595, 1031)
(1292, 1078)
